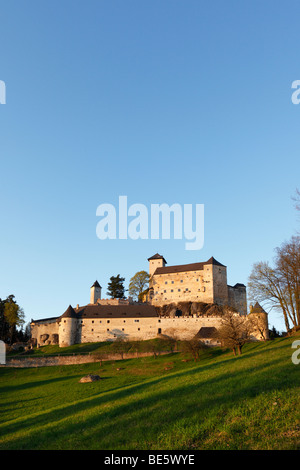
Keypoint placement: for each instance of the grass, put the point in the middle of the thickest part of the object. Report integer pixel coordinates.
(221, 402)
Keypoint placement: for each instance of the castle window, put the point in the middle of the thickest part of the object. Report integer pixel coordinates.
(107, 329)
(172, 290)
(187, 288)
(136, 321)
(92, 329)
(124, 321)
(122, 329)
(166, 282)
(108, 321)
(181, 280)
(179, 290)
(172, 282)
(165, 291)
(138, 329)
(92, 321)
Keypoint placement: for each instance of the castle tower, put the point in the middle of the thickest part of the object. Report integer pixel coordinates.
(95, 292)
(67, 327)
(259, 319)
(156, 261)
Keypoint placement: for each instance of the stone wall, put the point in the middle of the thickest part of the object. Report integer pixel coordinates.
(45, 332)
(22, 362)
(219, 280)
(134, 329)
(108, 329)
(237, 298)
(186, 327)
(183, 320)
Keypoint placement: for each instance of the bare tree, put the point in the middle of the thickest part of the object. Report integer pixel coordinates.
(193, 347)
(279, 287)
(121, 346)
(265, 286)
(234, 331)
(296, 198)
(288, 263)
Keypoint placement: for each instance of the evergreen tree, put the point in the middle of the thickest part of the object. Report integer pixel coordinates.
(11, 317)
(115, 288)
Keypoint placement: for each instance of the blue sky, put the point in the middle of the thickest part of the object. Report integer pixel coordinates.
(165, 101)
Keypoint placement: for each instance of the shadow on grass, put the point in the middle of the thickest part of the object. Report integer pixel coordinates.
(187, 392)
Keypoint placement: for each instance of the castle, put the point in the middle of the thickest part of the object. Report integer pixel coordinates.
(196, 282)
(195, 285)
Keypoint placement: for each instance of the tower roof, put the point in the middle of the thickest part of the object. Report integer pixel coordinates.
(187, 267)
(157, 256)
(257, 309)
(69, 313)
(96, 284)
(212, 260)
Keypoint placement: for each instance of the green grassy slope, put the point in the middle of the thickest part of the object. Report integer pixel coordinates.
(221, 402)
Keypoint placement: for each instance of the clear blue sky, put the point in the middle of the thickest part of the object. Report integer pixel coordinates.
(164, 101)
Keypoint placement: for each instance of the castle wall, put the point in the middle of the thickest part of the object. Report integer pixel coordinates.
(89, 330)
(45, 332)
(95, 330)
(237, 298)
(104, 329)
(195, 286)
(155, 263)
(220, 290)
(185, 328)
(127, 301)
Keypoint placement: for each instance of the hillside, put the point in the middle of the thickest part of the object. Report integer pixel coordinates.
(220, 402)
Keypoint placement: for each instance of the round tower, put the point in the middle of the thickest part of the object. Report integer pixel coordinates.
(67, 327)
(259, 318)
